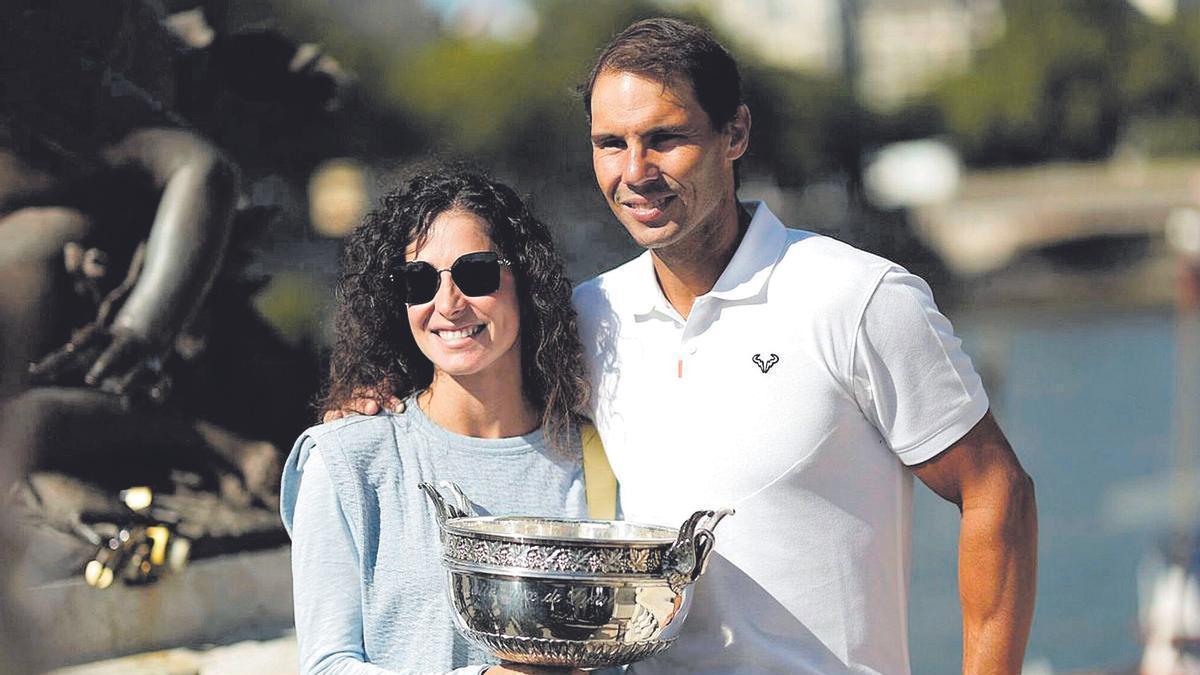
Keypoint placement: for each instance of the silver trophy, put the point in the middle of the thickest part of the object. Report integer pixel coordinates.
(575, 593)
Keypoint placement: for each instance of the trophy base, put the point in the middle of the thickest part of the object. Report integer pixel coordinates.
(584, 654)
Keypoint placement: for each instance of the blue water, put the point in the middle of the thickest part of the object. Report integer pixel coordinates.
(1086, 399)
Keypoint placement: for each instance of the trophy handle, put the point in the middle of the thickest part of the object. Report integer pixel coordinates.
(443, 509)
(687, 558)
(705, 539)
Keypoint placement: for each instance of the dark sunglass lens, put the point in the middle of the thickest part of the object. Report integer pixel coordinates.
(420, 282)
(477, 274)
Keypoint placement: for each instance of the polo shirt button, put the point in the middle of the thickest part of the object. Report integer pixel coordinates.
(691, 349)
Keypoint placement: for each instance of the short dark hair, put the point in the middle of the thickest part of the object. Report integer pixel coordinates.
(374, 354)
(673, 51)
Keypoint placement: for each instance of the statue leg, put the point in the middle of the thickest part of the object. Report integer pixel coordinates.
(99, 437)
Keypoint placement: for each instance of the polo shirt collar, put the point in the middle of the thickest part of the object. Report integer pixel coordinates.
(745, 275)
(747, 272)
(650, 298)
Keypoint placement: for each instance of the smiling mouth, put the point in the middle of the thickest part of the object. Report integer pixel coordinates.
(648, 209)
(459, 333)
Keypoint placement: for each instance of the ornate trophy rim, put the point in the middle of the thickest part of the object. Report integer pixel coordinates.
(551, 557)
(476, 527)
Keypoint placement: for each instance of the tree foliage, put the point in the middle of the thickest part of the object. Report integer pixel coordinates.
(515, 105)
(510, 105)
(1070, 80)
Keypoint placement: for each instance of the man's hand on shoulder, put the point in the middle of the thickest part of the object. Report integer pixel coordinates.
(363, 405)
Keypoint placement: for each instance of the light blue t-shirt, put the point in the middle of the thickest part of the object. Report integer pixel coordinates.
(370, 590)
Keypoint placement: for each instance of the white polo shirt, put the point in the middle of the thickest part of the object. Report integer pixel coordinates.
(796, 392)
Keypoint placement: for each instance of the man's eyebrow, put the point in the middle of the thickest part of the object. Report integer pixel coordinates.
(670, 129)
(680, 129)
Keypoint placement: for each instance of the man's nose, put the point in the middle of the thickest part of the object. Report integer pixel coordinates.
(449, 301)
(639, 166)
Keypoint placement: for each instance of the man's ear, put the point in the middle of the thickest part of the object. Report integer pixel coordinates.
(739, 132)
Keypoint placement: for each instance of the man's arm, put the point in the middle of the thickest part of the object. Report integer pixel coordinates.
(997, 545)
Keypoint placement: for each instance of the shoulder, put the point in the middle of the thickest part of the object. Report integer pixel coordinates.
(350, 446)
(354, 430)
(350, 450)
(807, 257)
(365, 446)
(817, 254)
(846, 276)
(604, 292)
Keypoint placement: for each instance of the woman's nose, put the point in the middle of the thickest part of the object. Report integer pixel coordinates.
(449, 301)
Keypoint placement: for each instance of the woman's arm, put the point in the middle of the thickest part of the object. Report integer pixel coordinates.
(326, 582)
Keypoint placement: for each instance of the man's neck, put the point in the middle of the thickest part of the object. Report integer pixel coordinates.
(690, 269)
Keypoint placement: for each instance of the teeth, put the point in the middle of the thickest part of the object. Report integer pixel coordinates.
(648, 206)
(460, 333)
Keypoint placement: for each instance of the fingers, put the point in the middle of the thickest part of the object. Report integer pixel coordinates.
(121, 382)
(130, 364)
(56, 365)
(363, 405)
(358, 406)
(120, 360)
(113, 364)
(69, 360)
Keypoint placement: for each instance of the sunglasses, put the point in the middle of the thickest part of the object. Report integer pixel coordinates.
(474, 274)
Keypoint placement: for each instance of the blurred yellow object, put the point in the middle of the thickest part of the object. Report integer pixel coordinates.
(178, 554)
(91, 573)
(137, 498)
(97, 575)
(600, 484)
(337, 197)
(158, 551)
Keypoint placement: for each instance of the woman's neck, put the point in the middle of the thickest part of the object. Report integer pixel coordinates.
(481, 409)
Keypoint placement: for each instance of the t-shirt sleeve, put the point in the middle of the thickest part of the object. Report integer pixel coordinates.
(911, 377)
(326, 581)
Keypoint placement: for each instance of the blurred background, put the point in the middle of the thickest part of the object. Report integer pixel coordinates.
(1037, 161)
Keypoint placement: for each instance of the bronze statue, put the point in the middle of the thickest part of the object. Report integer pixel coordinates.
(129, 354)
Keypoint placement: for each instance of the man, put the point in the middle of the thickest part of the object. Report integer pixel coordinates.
(799, 380)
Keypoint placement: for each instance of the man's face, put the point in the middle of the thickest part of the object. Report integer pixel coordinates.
(664, 170)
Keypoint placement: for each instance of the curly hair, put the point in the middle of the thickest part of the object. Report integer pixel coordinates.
(375, 355)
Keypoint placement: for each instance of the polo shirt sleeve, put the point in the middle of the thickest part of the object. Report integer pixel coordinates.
(911, 378)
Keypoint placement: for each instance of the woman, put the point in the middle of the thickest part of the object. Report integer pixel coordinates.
(453, 299)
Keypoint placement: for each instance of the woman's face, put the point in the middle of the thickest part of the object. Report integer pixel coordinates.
(464, 336)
